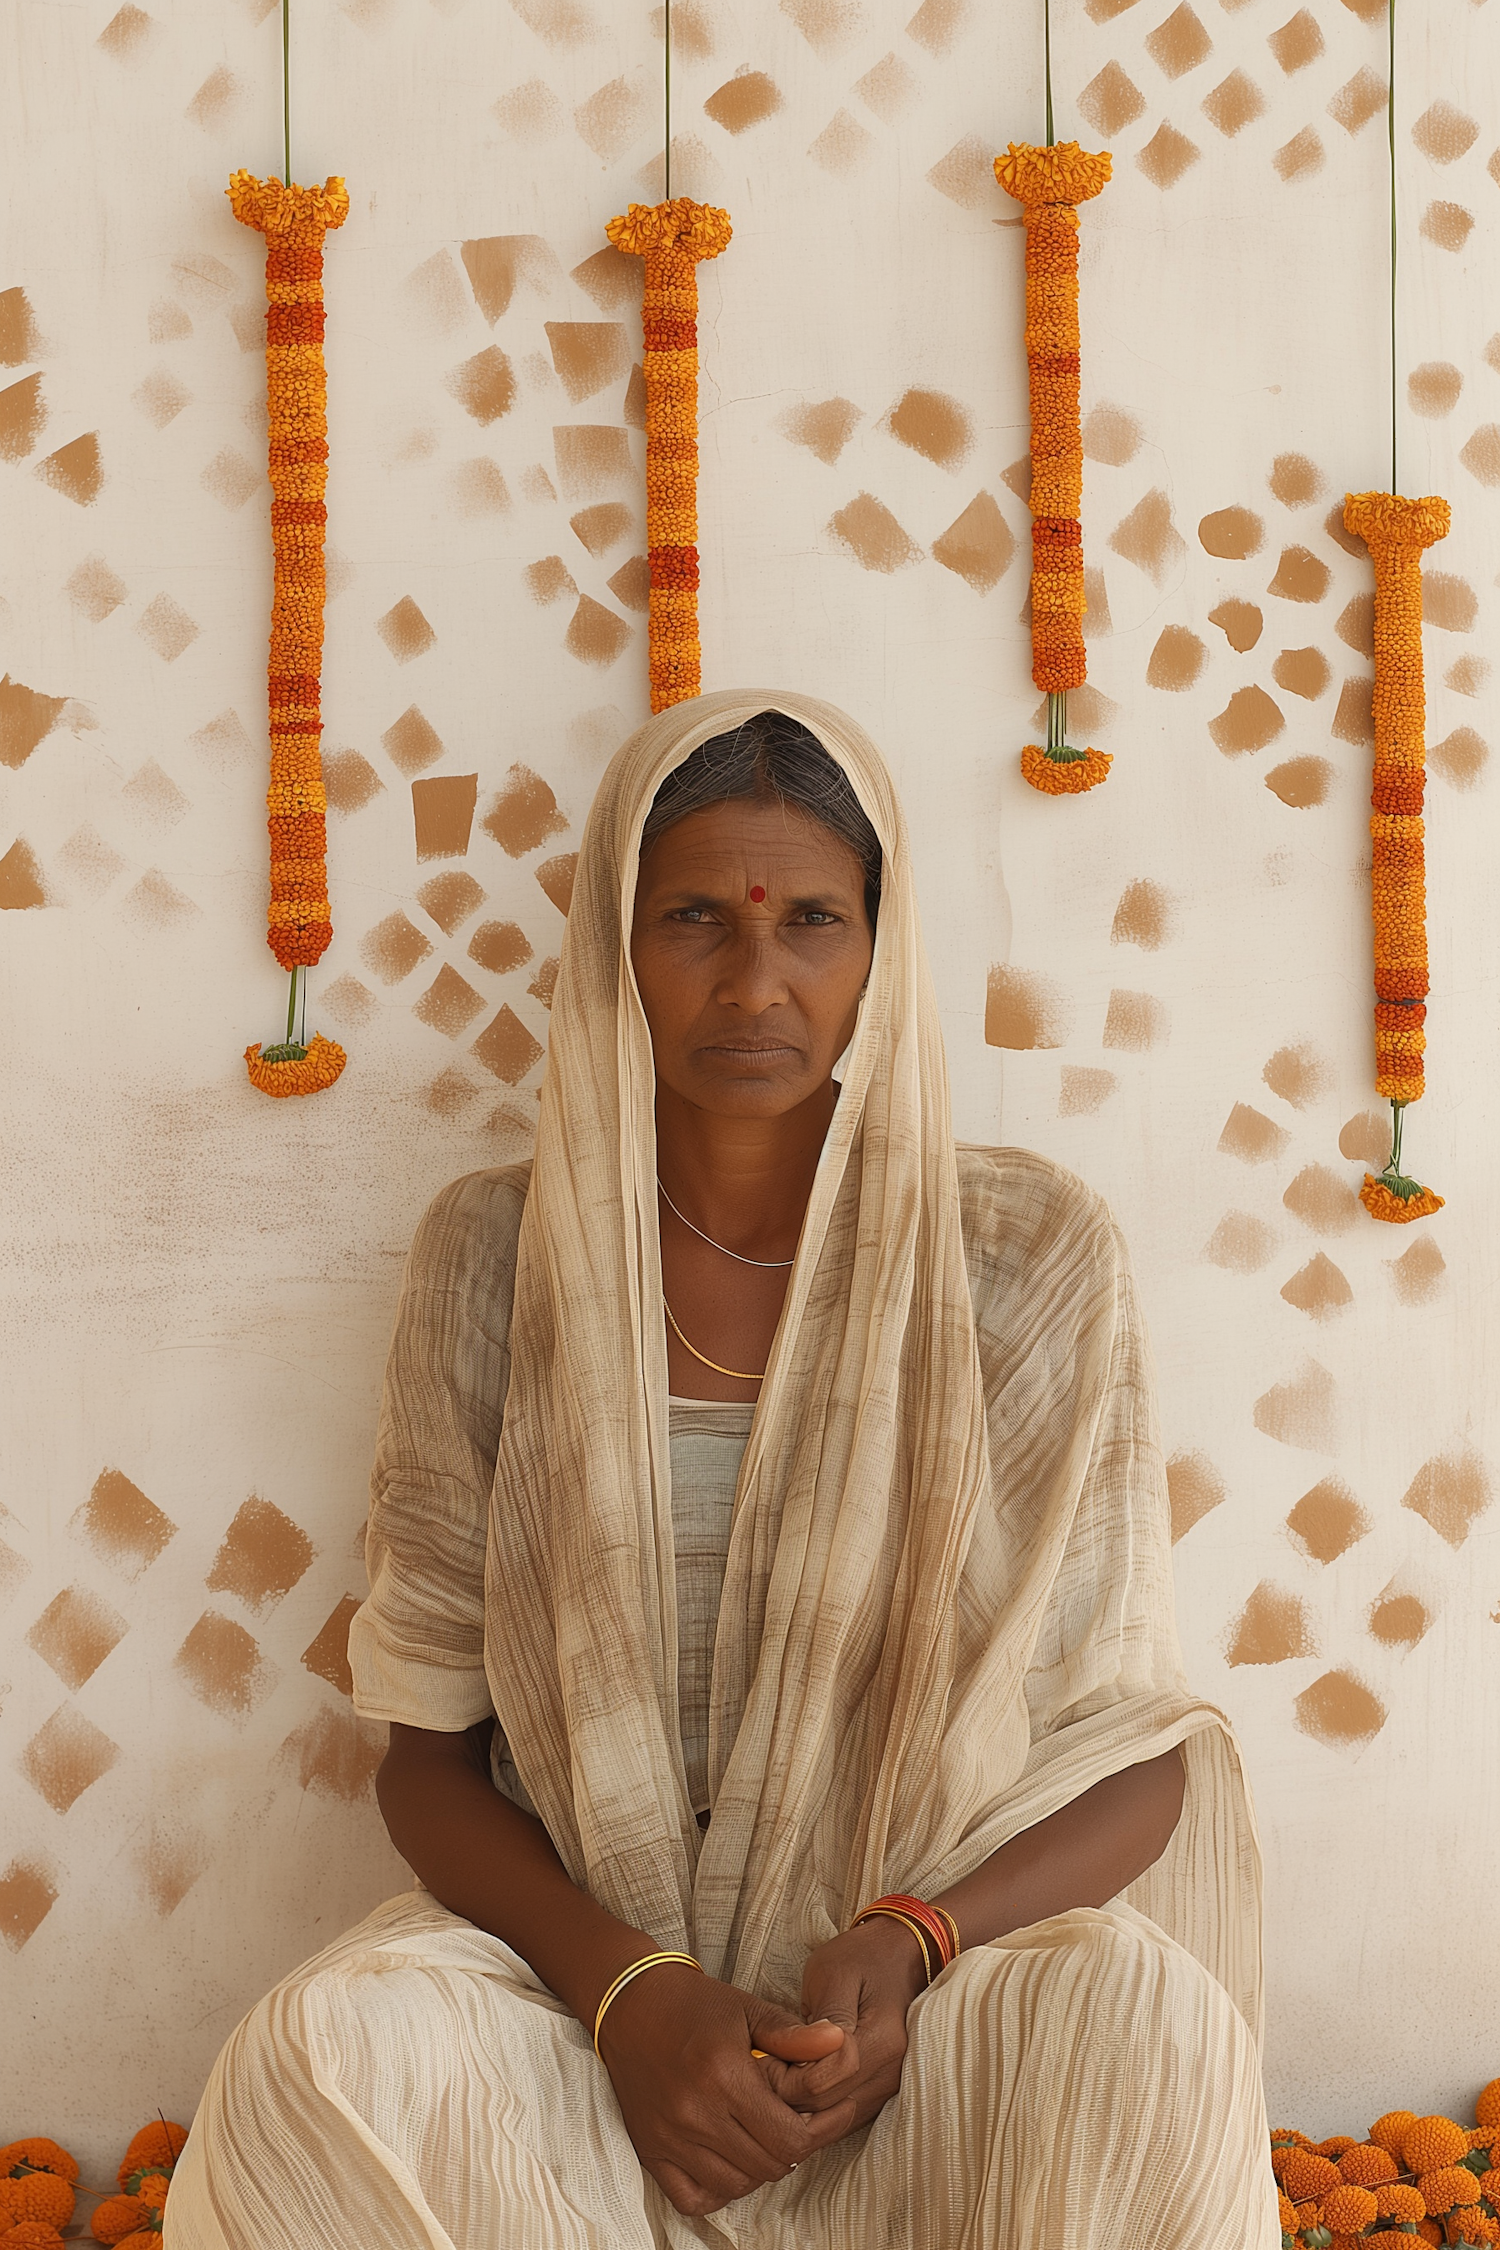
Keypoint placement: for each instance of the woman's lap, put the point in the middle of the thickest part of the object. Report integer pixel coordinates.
(1077, 2085)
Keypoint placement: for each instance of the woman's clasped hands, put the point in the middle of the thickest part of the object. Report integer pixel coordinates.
(710, 2121)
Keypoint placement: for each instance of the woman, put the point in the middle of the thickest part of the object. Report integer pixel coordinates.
(768, 1524)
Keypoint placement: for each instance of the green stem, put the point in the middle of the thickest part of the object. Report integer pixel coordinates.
(291, 1008)
(1057, 721)
(286, 93)
(667, 90)
(1398, 1115)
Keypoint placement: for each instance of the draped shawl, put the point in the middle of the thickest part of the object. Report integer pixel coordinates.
(947, 1606)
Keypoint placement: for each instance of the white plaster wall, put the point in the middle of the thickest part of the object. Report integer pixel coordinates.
(198, 1284)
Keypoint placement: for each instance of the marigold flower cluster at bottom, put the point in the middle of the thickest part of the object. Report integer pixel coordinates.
(1427, 2178)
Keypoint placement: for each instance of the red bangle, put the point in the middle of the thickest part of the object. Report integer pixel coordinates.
(938, 1925)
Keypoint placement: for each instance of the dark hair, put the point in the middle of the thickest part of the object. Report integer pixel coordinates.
(770, 758)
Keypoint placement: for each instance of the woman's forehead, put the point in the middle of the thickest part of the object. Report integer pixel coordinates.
(774, 836)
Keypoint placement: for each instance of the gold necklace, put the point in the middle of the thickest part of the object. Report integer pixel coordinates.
(734, 1372)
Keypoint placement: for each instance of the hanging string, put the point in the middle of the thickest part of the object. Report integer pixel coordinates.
(1057, 704)
(286, 93)
(666, 90)
(1390, 132)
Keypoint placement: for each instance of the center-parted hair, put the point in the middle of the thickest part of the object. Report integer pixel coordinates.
(770, 759)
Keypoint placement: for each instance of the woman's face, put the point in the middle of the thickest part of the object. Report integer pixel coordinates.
(751, 945)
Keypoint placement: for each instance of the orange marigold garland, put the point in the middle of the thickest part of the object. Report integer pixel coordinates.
(294, 221)
(671, 238)
(1397, 531)
(1414, 2177)
(1050, 183)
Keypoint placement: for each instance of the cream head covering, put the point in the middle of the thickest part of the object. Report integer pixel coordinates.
(947, 1603)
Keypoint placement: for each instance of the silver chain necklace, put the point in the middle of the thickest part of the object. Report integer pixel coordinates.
(767, 1263)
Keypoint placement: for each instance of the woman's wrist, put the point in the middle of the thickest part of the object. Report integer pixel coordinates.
(895, 1948)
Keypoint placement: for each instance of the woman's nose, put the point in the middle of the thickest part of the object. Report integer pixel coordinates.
(753, 980)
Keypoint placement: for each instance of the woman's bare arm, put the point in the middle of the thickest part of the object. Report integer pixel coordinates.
(1083, 1855)
(484, 1858)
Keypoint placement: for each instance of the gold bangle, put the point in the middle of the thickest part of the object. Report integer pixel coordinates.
(894, 1914)
(958, 1943)
(627, 1976)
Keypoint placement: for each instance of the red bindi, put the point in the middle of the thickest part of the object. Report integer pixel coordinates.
(757, 892)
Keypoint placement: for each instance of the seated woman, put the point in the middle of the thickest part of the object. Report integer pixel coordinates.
(768, 1527)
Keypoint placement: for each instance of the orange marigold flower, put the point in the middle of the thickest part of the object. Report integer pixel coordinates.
(1397, 1210)
(1348, 2209)
(306, 1071)
(1489, 2185)
(1307, 2175)
(36, 2195)
(1335, 2145)
(1064, 777)
(1400, 2202)
(1472, 2223)
(1363, 2164)
(1487, 2108)
(32, 2234)
(118, 2217)
(17, 2158)
(1447, 2188)
(1288, 2213)
(1431, 2143)
(1430, 2231)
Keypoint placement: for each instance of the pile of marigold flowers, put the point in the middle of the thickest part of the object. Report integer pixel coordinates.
(1422, 2176)
(38, 2180)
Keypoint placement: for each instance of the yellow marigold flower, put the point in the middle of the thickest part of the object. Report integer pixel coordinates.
(1349, 2210)
(1396, 2200)
(1431, 2143)
(1487, 2108)
(1365, 2165)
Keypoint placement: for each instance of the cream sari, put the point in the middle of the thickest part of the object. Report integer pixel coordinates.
(947, 1611)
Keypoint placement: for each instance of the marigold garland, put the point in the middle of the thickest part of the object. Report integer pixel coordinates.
(1050, 183)
(294, 221)
(1425, 2177)
(1397, 531)
(671, 238)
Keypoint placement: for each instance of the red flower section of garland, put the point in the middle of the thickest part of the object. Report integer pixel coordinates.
(671, 238)
(294, 221)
